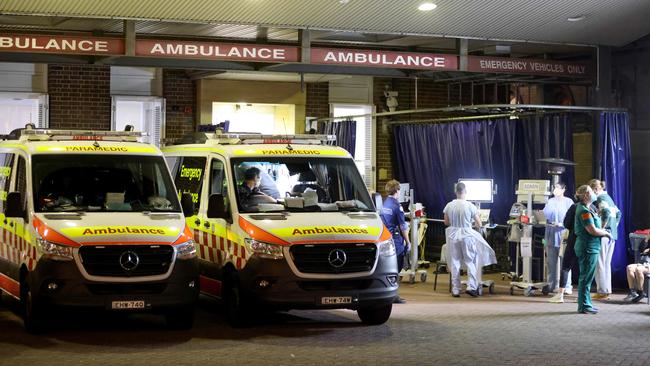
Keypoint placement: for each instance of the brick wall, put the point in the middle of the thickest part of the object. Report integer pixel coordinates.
(317, 104)
(429, 95)
(179, 92)
(80, 96)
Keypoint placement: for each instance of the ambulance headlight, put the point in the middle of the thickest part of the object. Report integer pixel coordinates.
(186, 250)
(54, 251)
(386, 248)
(264, 250)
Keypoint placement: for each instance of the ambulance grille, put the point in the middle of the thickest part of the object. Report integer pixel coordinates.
(112, 261)
(328, 258)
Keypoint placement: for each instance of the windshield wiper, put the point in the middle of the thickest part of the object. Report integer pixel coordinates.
(355, 209)
(64, 215)
(159, 214)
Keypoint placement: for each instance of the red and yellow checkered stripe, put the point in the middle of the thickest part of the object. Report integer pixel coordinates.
(218, 249)
(16, 249)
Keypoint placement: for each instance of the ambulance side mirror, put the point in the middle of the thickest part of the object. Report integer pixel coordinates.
(14, 205)
(217, 207)
(187, 204)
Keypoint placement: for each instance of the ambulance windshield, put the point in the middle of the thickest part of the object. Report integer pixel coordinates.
(108, 183)
(299, 185)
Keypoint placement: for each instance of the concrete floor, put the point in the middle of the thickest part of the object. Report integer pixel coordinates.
(431, 329)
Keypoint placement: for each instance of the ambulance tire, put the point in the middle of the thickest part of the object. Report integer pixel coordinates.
(235, 305)
(33, 318)
(180, 318)
(375, 315)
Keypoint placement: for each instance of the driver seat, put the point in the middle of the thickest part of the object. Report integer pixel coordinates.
(307, 179)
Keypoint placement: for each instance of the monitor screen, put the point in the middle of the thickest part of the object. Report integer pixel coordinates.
(404, 192)
(478, 190)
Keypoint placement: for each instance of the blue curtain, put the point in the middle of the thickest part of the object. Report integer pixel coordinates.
(615, 170)
(345, 131)
(545, 136)
(433, 157)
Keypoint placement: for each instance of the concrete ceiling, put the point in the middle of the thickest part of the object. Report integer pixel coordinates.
(606, 22)
(250, 33)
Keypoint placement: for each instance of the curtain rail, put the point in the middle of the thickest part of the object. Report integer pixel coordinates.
(511, 107)
(476, 118)
(452, 119)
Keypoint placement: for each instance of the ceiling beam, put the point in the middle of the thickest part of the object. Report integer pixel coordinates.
(262, 34)
(331, 69)
(44, 58)
(129, 37)
(203, 74)
(304, 38)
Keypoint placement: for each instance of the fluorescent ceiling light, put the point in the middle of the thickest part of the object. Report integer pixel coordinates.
(427, 6)
(576, 18)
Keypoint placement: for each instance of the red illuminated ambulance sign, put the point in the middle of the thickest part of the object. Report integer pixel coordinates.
(79, 45)
(216, 51)
(397, 60)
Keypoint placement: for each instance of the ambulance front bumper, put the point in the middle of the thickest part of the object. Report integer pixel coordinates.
(274, 284)
(61, 284)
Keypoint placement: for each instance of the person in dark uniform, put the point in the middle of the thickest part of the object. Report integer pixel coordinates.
(636, 273)
(393, 217)
(249, 191)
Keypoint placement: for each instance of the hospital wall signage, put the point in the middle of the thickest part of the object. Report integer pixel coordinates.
(373, 58)
(529, 66)
(215, 51)
(80, 45)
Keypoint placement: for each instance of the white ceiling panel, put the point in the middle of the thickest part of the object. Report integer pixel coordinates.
(607, 22)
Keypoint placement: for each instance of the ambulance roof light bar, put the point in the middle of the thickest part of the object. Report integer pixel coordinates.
(257, 138)
(87, 135)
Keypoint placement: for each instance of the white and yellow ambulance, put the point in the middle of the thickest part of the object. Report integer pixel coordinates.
(284, 222)
(91, 219)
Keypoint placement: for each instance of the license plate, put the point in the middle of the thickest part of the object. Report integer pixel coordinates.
(127, 305)
(336, 300)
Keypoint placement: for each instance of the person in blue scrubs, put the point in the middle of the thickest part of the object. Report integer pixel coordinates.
(589, 233)
(555, 211)
(393, 217)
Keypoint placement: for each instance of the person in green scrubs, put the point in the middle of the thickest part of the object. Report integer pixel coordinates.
(589, 233)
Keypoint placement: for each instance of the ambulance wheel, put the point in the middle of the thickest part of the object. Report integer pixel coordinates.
(234, 302)
(32, 310)
(491, 289)
(375, 315)
(180, 318)
(423, 277)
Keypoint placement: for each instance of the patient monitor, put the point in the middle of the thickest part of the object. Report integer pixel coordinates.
(479, 190)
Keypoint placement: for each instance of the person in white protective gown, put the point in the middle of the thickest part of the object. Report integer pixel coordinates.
(466, 246)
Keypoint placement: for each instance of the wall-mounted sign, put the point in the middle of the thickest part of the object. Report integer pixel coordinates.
(398, 60)
(79, 45)
(215, 51)
(529, 66)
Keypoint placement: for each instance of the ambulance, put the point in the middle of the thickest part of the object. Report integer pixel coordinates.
(284, 222)
(91, 219)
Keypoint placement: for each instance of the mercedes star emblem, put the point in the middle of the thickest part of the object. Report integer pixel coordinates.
(337, 258)
(129, 261)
